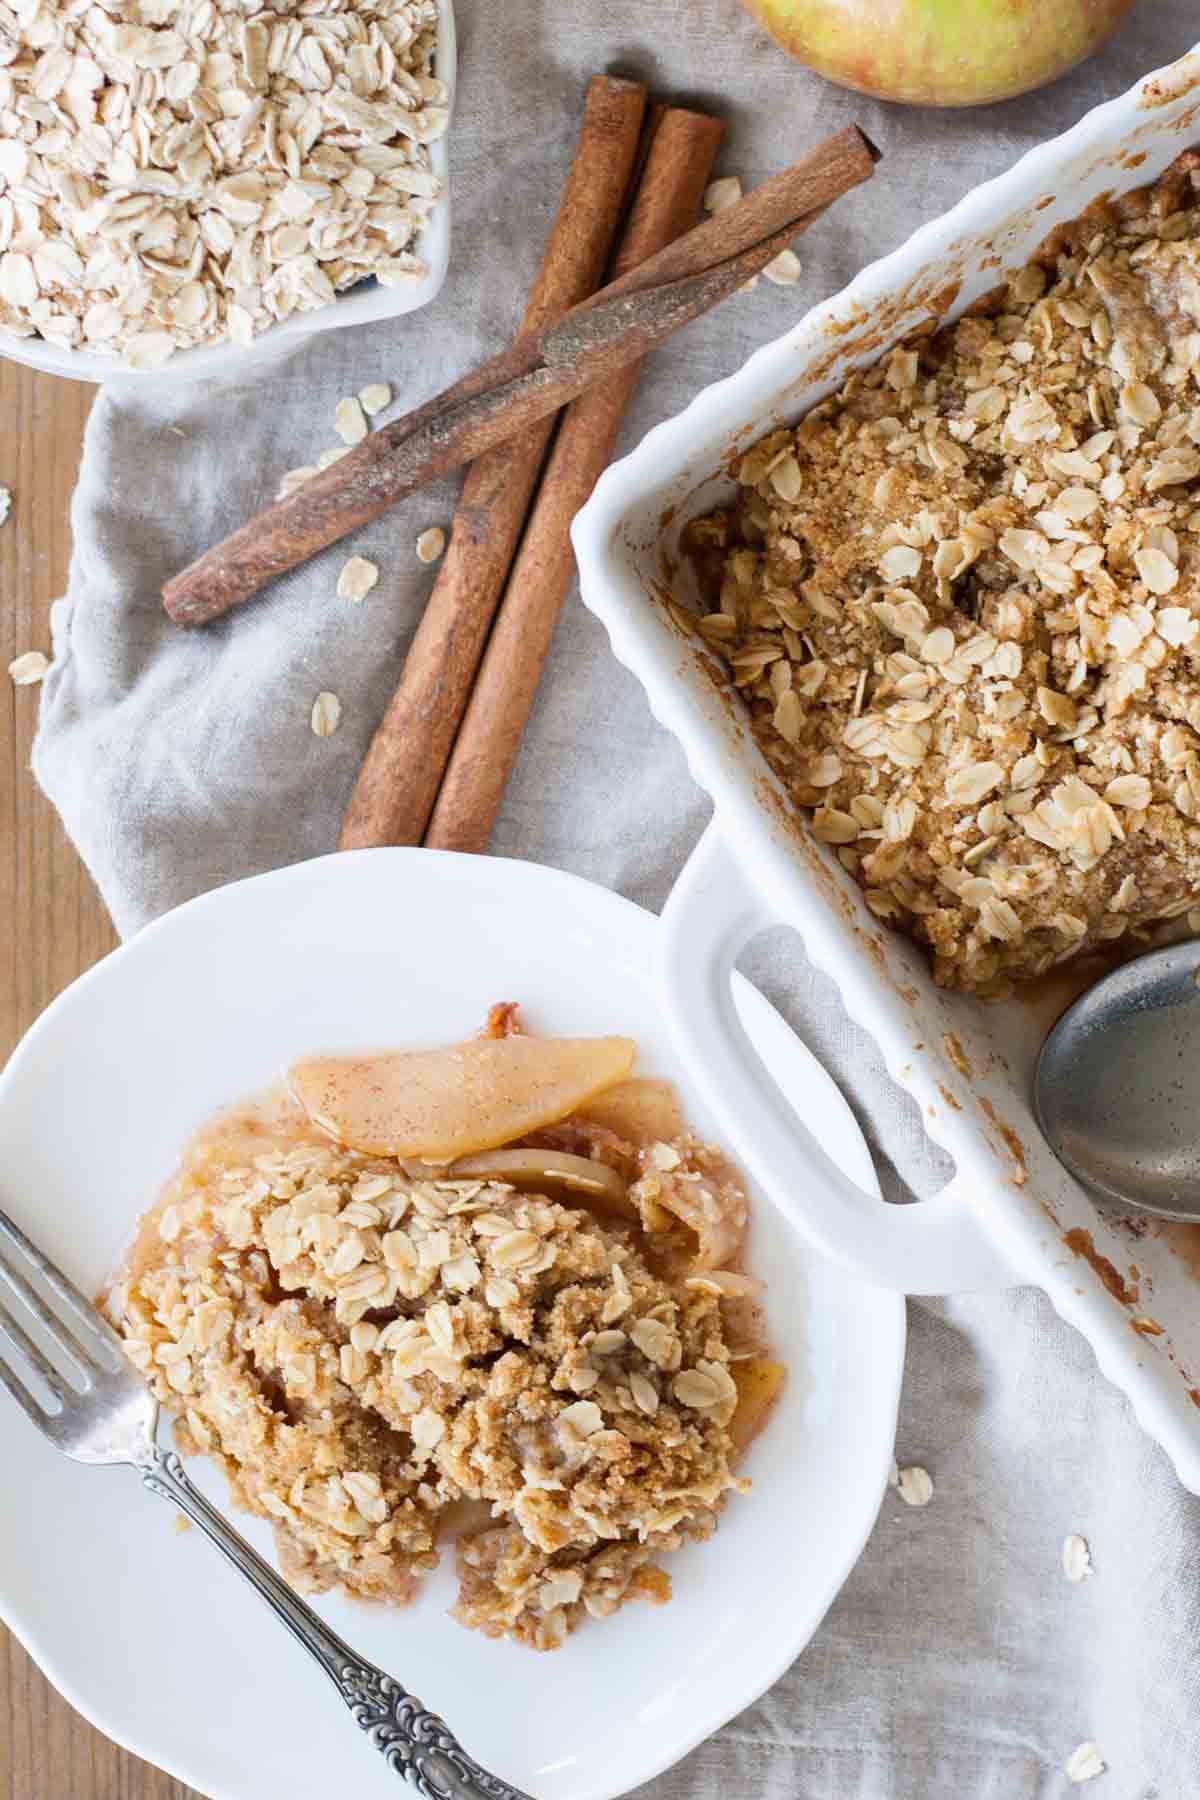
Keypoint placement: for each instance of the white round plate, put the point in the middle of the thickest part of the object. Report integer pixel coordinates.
(147, 1632)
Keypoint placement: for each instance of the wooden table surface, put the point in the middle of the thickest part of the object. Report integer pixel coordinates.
(52, 927)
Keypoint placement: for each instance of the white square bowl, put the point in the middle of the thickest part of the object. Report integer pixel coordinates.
(359, 305)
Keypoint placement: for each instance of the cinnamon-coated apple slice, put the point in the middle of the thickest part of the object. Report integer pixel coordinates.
(439, 1105)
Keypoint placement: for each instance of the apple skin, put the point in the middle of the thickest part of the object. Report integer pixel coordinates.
(940, 52)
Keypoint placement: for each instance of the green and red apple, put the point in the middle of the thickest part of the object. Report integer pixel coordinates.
(940, 52)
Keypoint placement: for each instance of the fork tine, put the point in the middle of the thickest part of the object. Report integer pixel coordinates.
(18, 1336)
(22, 1396)
(72, 1300)
(65, 1340)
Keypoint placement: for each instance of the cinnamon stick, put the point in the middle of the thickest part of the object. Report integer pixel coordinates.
(531, 379)
(668, 199)
(398, 782)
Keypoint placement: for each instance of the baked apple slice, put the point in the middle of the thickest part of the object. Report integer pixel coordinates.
(439, 1105)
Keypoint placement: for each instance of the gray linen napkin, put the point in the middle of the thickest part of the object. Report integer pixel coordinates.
(957, 1664)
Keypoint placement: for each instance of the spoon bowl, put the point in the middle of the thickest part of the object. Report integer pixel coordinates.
(1117, 1085)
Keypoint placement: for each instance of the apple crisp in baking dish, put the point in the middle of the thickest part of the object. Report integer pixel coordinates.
(961, 599)
(493, 1288)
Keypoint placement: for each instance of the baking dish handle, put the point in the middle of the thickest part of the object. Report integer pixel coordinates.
(938, 1246)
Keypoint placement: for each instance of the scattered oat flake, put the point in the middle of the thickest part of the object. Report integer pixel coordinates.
(28, 668)
(349, 420)
(295, 478)
(374, 397)
(726, 191)
(916, 1486)
(326, 714)
(1085, 1763)
(182, 1523)
(785, 269)
(430, 544)
(357, 578)
(1076, 1558)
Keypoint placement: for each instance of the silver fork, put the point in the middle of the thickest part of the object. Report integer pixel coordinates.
(102, 1412)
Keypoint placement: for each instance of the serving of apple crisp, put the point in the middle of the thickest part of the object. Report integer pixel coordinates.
(494, 1288)
(961, 598)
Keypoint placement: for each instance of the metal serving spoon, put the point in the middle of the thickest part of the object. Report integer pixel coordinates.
(1117, 1085)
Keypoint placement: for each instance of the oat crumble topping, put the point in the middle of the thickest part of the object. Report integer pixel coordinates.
(961, 599)
(365, 1344)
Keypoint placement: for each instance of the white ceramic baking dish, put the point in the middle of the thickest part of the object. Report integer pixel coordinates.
(357, 306)
(1010, 1214)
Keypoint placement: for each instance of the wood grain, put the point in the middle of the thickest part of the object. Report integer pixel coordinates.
(52, 927)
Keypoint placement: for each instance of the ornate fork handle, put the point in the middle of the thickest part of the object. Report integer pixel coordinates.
(414, 1743)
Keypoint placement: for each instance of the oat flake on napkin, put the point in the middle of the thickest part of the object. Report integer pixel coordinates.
(958, 1663)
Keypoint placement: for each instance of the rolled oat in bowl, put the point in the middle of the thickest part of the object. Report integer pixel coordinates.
(551, 1335)
(176, 176)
